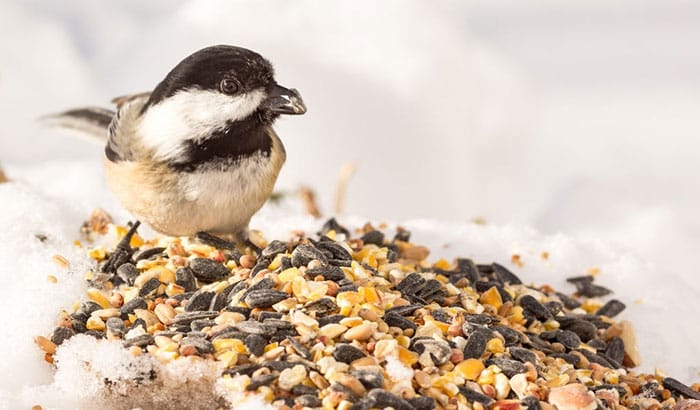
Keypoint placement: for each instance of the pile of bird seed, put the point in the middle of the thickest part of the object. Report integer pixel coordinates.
(362, 322)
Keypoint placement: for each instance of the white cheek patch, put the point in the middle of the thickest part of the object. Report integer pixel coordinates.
(192, 114)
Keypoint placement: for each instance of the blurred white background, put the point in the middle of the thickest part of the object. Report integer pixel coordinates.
(571, 117)
(562, 116)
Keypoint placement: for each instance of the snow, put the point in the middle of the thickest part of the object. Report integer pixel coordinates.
(571, 129)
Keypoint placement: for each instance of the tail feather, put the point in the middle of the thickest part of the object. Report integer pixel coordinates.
(90, 121)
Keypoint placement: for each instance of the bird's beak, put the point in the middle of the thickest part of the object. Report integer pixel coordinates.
(282, 100)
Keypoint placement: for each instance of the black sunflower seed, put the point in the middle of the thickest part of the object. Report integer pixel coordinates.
(469, 269)
(531, 403)
(347, 353)
(61, 334)
(200, 300)
(127, 272)
(335, 252)
(333, 225)
(403, 235)
(325, 320)
(584, 329)
(207, 270)
(510, 335)
(405, 310)
(116, 326)
(140, 341)
(255, 327)
(394, 319)
(509, 367)
(422, 403)
(679, 388)
(265, 298)
(524, 355)
(149, 288)
(199, 324)
(611, 309)
(532, 305)
(616, 349)
(261, 380)
(273, 249)
(569, 339)
(255, 344)
(475, 396)
(569, 302)
(481, 319)
(218, 302)
(185, 278)
(586, 287)
(411, 284)
(242, 369)
(371, 379)
(129, 307)
(321, 306)
(187, 317)
(301, 389)
(476, 343)
(384, 399)
(373, 237)
(146, 254)
(265, 283)
(305, 253)
(504, 275)
(202, 345)
(329, 272)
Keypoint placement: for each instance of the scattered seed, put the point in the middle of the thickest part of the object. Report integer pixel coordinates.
(207, 270)
(476, 343)
(305, 253)
(611, 309)
(199, 301)
(264, 298)
(347, 353)
(61, 261)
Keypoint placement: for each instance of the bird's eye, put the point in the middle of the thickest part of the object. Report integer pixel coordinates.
(228, 86)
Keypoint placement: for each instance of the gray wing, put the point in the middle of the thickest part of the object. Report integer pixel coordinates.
(120, 142)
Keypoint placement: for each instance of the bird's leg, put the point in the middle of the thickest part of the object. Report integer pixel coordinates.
(215, 241)
(242, 237)
(122, 253)
(239, 241)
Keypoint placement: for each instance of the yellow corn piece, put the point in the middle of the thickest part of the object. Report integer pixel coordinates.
(289, 274)
(469, 369)
(96, 296)
(491, 297)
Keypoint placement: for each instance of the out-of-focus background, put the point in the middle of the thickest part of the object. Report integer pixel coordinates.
(571, 117)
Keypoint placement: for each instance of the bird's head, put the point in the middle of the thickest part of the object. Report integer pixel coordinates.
(214, 89)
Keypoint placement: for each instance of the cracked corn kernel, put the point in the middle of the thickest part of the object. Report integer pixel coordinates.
(491, 297)
(495, 345)
(469, 369)
(97, 253)
(95, 323)
(222, 345)
(98, 297)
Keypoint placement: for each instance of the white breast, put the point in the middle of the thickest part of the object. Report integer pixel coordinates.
(224, 199)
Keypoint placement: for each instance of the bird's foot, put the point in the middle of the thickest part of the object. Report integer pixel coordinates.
(123, 252)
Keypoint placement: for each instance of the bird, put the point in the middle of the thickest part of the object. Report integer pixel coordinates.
(198, 153)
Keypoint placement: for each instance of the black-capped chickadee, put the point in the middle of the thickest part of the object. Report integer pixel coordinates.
(198, 153)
